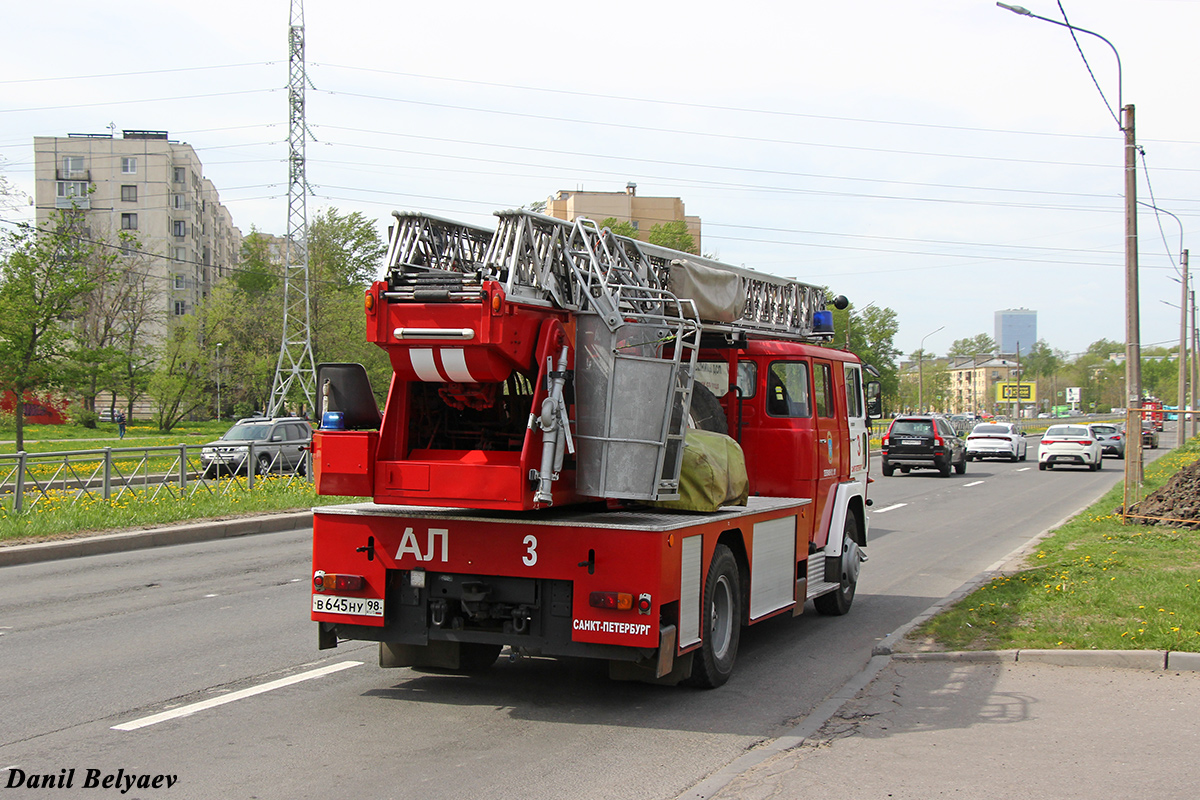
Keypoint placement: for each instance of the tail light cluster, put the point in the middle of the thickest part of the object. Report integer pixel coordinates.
(330, 582)
(621, 601)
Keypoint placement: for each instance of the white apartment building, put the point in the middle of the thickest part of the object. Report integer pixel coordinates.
(147, 184)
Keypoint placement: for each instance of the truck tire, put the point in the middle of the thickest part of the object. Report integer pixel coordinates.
(838, 602)
(706, 413)
(721, 622)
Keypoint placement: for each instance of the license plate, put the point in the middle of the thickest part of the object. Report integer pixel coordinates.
(358, 606)
(915, 442)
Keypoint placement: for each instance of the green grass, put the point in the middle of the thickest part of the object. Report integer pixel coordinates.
(60, 514)
(56, 516)
(56, 438)
(1092, 584)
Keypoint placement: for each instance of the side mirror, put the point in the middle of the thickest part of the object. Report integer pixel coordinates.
(874, 400)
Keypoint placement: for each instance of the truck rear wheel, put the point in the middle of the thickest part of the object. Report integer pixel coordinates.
(838, 602)
(706, 413)
(721, 622)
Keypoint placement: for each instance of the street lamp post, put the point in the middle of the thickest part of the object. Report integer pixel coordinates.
(1183, 329)
(219, 346)
(1133, 348)
(921, 371)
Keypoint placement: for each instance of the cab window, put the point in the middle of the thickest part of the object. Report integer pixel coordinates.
(823, 389)
(854, 401)
(787, 389)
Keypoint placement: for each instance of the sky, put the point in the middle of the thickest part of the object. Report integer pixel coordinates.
(943, 158)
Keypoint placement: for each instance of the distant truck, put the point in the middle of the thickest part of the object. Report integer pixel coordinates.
(1152, 413)
(544, 383)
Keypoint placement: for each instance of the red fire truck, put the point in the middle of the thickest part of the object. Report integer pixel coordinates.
(1152, 413)
(546, 376)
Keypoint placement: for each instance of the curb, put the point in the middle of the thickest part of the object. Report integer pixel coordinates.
(1118, 659)
(126, 541)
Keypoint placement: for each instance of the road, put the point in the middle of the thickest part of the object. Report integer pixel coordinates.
(90, 645)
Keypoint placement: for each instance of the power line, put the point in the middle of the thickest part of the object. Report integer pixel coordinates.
(138, 73)
(724, 108)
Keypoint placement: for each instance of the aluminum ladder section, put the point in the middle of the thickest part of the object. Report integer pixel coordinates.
(536, 255)
(422, 241)
(775, 307)
(529, 253)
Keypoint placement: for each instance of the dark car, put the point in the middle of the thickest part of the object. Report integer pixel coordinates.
(1150, 437)
(923, 442)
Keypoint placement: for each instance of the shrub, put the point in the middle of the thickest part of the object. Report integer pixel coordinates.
(81, 416)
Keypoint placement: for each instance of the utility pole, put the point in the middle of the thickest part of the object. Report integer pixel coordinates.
(1133, 346)
(1180, 420)
(1018, 381)
(1195, 362)
(295, 365)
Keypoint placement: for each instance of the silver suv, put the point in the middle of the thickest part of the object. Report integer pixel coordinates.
(279, 444)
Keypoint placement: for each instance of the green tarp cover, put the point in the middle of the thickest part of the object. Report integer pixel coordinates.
(713, 474)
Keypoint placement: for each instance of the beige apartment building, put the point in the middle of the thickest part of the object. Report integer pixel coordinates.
(149, 185)
(627, 206)
(973, 382)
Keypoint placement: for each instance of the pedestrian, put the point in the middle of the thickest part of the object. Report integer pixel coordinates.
(121, 424)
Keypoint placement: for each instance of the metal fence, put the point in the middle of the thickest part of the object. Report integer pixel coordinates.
(149, 473)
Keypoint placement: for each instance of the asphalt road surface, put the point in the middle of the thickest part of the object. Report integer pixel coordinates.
(199, 662)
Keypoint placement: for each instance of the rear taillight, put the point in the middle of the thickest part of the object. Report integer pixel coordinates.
(330, 582)
(1049, 441)
(1085, 442)
(622, 601)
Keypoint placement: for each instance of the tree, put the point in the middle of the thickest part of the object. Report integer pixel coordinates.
(344, 252)
(980, 344)
(932, 376)
(258, 273)
(872, 332)
(178, 385)
(43, 275)
(619, 227)
(673, 234)
(113, 308)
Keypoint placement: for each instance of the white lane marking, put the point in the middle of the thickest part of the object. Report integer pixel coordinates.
(1023, 469)
(184, 711)
(889, 508)
(972, 483)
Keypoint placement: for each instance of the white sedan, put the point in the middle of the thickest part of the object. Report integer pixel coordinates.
(996, 440)
(1069, 444)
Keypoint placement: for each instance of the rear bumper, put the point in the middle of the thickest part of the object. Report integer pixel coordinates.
(917, 460)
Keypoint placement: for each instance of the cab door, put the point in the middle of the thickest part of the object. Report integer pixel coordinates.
(856, 422)
(831, 435)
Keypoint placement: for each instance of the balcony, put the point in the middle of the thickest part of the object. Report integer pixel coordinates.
(81, 202)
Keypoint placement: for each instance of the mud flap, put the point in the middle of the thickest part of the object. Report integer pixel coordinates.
(666, 669)
(444, 655)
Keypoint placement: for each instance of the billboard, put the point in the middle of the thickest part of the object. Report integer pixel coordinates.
(1007, 392)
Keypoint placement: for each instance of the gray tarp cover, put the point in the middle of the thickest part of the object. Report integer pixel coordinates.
(713, 474)
(719, 296)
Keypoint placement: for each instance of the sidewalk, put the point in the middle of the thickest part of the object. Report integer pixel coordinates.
(183, 533)
(1007, 727)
